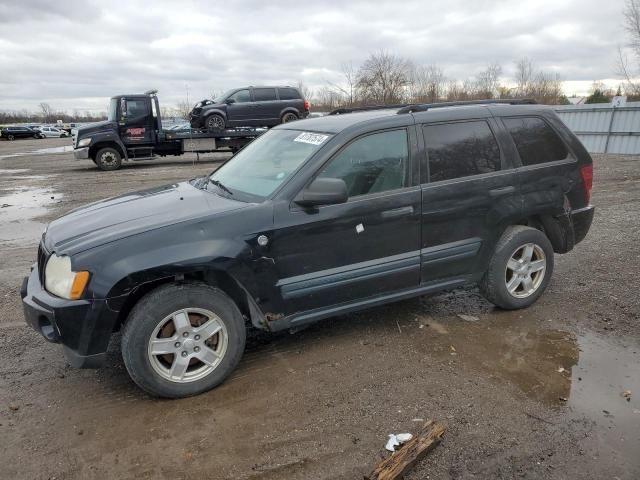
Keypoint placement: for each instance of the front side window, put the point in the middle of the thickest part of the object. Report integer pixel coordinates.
(241, 96)
(136, 108)
(264, 94)
(535, 140)
(372, 164)
(263, 165)
(458, 150)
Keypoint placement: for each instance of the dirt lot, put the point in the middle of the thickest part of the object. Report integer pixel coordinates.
(529, 394)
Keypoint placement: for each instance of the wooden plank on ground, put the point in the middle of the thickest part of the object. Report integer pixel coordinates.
(404, 459)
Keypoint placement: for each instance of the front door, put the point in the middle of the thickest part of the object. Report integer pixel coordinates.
(469, 195)
(365, 247)
(136, 122)
(241, 110)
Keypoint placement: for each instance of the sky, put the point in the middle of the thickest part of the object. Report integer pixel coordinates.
(75, 54)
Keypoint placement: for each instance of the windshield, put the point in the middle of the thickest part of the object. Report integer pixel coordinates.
(113, 110)
(263, 165)
(220, 98)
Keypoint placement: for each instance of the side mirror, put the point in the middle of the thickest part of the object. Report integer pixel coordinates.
(229, 101)
(323, 191)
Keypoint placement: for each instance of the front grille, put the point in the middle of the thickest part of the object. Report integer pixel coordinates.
(43, 256)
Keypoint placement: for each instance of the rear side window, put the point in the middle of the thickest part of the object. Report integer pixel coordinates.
(460, 150)
(264, 94)
(289, 94)
(535, 140)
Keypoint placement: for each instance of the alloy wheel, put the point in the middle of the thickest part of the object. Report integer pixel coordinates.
(525, 270)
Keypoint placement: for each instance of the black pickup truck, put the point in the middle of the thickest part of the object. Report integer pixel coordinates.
(133, 131)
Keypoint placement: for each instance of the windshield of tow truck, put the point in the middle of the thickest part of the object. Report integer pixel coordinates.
(113, 110)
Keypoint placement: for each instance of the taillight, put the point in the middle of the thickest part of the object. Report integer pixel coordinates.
(307, 105)
(587, 180)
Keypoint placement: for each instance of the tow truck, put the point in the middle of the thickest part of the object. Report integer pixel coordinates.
(133, 131)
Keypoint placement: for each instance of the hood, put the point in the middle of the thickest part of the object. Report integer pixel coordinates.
(96, 127)
(116, 218)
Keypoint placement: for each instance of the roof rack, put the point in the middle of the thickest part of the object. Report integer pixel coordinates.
(423, 107)
(340, 111)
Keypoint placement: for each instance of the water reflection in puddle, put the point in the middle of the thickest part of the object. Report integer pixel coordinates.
(41, 151)
(18, 211)
(590, 375)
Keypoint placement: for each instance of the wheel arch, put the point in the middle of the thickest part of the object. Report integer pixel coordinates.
(557, 228)
(210, 276)
(286, 110)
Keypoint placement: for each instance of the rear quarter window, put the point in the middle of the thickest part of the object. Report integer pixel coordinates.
(536, 141)
(289, 94)
(461, 149)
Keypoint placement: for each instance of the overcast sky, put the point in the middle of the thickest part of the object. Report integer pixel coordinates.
(77, 53)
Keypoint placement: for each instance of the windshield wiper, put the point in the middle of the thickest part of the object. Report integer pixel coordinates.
(220, 185)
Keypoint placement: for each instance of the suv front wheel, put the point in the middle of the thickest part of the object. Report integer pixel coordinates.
(181, 340)
(520, 268)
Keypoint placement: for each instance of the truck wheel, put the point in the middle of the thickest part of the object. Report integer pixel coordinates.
(108, 159)
(520, 268)
(181, 340)
(215, 122)
(289, 117)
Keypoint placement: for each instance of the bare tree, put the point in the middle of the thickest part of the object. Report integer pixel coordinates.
(47, 112)
(307, 93)
(631, 14)
(488, 81)
(383, 77)
(427, 84)
(347, 88)
(183, 108)
(524, 76)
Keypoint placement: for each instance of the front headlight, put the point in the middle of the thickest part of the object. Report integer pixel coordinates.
(84, 142)
(60, 280)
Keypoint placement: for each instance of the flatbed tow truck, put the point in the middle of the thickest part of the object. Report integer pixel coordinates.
(133, 131)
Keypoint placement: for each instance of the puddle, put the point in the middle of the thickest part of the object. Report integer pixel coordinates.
(586, 374)
(17, 213)
(41, 151)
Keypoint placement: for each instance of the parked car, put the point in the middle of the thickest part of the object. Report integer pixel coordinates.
(11, 133)
(250, 107)
(313, 219)
(54, 132)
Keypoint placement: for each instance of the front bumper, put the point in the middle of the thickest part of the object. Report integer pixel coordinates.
(83, 327)
(81, 153)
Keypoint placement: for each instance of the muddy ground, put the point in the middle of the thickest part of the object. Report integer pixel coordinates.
(530, 394)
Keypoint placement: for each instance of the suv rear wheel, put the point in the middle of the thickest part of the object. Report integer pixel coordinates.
(520, 268)
(181, 340)
(215, 122)
(108, 159)
(289, 117)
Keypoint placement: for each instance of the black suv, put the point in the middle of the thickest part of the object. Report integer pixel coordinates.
(313, 219)
(250, 107)
(11, 133)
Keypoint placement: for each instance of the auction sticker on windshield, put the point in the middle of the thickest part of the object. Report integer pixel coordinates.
(312, 138)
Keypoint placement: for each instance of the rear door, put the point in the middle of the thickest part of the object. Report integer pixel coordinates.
(469, 194)
(290, 97)
(267, 105)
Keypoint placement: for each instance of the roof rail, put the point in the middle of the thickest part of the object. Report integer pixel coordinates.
(340, 111)
(423, 107)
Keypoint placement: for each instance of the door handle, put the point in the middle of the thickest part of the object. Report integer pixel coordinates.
(499, 192)
(397, 212)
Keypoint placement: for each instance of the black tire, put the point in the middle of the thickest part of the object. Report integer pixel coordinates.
(10, 137)
(289, 117)
(108, 159)
(152, 309)
(214, 122)
(36, 135)
(494, 283)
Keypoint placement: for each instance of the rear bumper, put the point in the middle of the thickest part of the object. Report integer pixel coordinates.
(581, 220)
(83, 327)
(81, 153)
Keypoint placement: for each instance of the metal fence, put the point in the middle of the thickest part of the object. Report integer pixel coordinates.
(603, 128)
